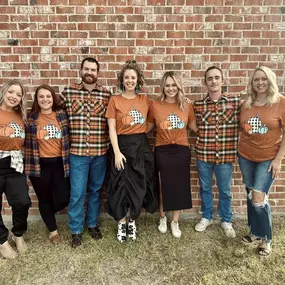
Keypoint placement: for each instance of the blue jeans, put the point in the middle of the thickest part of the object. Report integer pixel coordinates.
(85, 170)
(256, 177)
(223, 173)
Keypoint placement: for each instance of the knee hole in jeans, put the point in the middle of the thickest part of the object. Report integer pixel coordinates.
(258, 198)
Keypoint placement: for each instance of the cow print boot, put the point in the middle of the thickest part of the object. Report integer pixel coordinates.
(132, 230)
(122, 232)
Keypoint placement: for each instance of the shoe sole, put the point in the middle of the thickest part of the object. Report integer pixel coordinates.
(198, 230)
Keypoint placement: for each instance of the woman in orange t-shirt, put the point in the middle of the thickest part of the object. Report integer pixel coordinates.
(261, 150)
(47, 156)
(13, 182)
(130, 185)
(172, 115)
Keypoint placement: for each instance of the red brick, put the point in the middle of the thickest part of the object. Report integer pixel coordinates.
(193, 50)
(175, 34)
(58, 18)
(214, 18)
(195, 2)
(137, 34)
(194, 18)
(124, 10)
(175, 2)
(9, 58)
(144, 42)
(165, 26)
(156, 34)
(156, 2)
(174, 18)
(183, 42)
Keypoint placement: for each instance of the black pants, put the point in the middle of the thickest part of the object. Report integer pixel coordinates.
(15, 187)
(52, 189)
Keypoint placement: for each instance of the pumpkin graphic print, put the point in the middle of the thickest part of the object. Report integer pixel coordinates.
(172, 122)
(12, 130)
(254, 125)
(49, 131)
(133, 118)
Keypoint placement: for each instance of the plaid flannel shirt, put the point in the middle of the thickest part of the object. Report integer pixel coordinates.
(88, 125)
(218, 124)
(32, 154)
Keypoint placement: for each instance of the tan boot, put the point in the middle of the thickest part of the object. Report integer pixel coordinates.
(7, 251)
(20, 243)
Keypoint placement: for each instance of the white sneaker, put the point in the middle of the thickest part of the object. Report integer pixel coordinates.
(132, 230)
(175, 229)
(228, 229)
(122, 232)
(162, 227)
(203, 224)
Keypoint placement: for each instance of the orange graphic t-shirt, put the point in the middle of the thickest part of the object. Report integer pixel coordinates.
(130, 114)
(261, 131)
(12, 131)
(49, 135)
(171, 122)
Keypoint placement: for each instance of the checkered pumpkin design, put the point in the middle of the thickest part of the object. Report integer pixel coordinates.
(52, 132)
(256, 125)
(176, 121)
(18, 131)
(137, 116)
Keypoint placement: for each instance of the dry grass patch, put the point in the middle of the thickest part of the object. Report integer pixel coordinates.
(207, 258)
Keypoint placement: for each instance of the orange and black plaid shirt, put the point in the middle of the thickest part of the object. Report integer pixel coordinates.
(88, 125)
(218, 124)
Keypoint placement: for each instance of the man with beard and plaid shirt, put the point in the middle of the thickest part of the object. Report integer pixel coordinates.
(86, 104)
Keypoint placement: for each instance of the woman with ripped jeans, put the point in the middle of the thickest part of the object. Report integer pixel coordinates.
(261, 150)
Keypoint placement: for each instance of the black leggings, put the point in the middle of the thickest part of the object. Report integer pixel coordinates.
(14, 185)
(52, 189)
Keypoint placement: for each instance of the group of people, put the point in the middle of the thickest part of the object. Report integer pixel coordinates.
(62, 144)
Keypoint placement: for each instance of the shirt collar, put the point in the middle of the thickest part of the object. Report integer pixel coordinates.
(223, 97)
(80, 86)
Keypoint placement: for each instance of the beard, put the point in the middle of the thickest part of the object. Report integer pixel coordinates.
(89, 79)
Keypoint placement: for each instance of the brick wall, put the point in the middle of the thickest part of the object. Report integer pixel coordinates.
(43, 41)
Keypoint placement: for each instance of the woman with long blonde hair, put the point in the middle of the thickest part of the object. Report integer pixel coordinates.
(261, 150)
(172, 115)
(12, 180)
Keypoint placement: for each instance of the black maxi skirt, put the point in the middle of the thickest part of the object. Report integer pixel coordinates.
(132, 187)
(173, 164)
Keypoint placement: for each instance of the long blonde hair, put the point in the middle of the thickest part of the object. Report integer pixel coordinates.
(273, 92)
(22, 107)
(180, 97)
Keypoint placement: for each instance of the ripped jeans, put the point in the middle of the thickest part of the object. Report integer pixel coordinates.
(256, 177)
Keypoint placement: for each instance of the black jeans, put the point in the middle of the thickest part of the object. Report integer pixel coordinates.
(15, 187)
(52, 189)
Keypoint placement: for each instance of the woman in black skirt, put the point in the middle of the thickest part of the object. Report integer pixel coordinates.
(172, 115)
(130, 185)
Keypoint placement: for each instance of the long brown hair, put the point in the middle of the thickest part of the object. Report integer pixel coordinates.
(36, 107)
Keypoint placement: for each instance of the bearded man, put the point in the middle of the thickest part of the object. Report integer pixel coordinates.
(86, 104)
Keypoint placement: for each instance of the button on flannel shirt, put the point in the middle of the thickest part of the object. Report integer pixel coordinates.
(218, 124)
(88, 125)
(32, 154)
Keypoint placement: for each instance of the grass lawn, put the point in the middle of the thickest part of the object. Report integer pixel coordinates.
(196, 258)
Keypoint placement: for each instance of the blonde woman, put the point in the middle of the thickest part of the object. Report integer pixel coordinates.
(172, 115)
(12, 180)
(261, 150)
